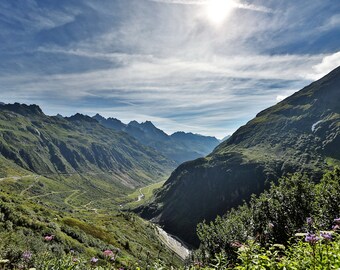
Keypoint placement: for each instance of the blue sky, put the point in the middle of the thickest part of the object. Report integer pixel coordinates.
(204, 66)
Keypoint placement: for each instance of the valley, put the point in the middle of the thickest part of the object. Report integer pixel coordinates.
(169, 135)
(280, 140)
(95, 188)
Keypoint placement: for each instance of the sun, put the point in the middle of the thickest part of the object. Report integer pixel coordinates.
(219, 10)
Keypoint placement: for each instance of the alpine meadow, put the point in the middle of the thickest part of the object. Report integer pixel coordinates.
(169, 134)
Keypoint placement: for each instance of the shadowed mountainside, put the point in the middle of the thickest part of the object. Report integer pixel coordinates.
(301, 133)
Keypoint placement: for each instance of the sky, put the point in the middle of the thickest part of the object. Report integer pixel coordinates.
(201, 66)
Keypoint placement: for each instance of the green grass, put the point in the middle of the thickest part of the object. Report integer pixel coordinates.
(147, 191)
(85, 220)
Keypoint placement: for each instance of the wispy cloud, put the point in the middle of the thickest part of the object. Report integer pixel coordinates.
(233, 3)
(327, 64)
(161, 60)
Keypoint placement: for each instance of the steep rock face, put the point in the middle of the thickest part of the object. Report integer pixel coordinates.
(78, 144)
(300, 133)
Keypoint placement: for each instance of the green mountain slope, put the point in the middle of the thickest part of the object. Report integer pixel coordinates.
(179, 146)
(301, 133)
(78, 144)
(69, 177)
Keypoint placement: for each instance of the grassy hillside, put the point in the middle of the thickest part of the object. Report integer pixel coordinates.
(53, 146)
(299, 134)
(33, 207)
(68, 177)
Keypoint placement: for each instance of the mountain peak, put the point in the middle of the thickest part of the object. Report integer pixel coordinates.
(148, 124)
(110, 122)
(81, 117)
(134, 123)
(98, 117)
(23, 109)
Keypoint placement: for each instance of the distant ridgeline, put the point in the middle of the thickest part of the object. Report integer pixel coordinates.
(299, 134)
(179, 146)
(46, 145)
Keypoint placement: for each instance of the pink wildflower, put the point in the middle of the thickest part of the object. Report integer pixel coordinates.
(108, 253)
(49, 237)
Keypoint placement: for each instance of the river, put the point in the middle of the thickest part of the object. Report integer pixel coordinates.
(173, 243)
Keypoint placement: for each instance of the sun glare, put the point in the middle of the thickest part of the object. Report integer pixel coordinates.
(218, 10)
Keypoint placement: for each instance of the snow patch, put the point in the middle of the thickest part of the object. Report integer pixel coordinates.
(315, 124)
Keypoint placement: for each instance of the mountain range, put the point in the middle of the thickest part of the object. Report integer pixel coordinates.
(51, 146)
(179, 146)
(299, 134)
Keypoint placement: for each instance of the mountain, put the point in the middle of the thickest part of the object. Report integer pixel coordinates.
(179, 147)
(225, 138)
(110, 122)
(75, 145)
(301, 133)
(71, 178)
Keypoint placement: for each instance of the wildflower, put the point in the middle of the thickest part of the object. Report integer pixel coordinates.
(335, 227)
(337, 220)
(236, 244)
(113, 258)
(27, 255)
(326, 236)
(75, 260)
(198, 264)
(309, 221)
(94, 260)
(311, 238)
(108, 253)
(49, 237)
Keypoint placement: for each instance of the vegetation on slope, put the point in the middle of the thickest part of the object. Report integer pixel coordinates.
(294, 207)
(299, 134)
(81, 227)
(293, 225)
(68, 178)
(54, 146)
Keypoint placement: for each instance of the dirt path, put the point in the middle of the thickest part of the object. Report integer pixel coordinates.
(30, 186)
(50, 193)
(15, 177)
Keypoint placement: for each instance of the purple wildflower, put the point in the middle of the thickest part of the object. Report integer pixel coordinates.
(27, 255)
(337, 220)
(94, 260)
(311, 238)
(326, 236)
(309, 221)
(335, 227)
